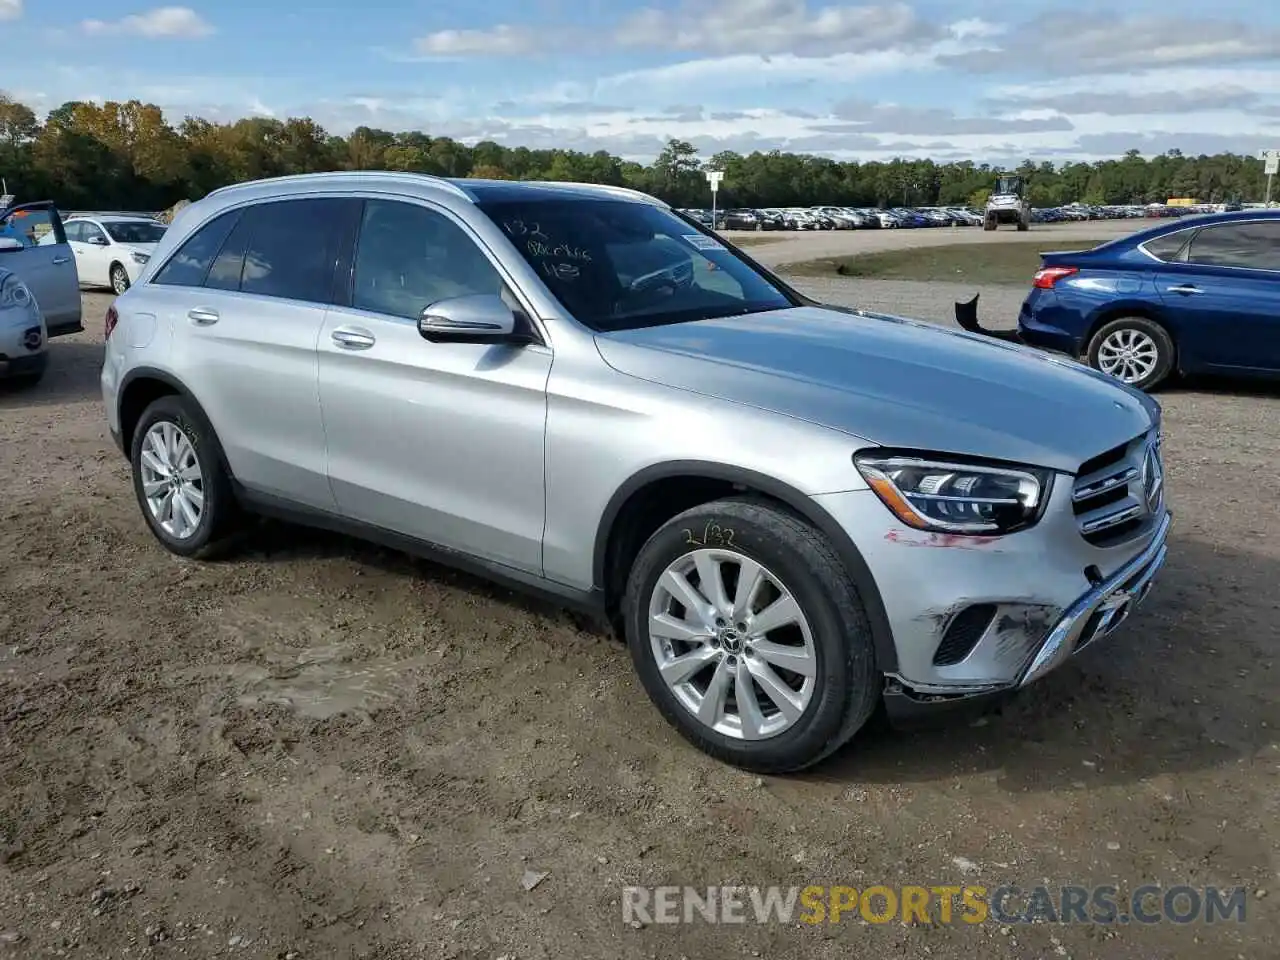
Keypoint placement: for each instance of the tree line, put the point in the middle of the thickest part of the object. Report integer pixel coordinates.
(126, 156)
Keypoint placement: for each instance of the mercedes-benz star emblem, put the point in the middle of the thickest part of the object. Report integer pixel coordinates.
(1152, 478)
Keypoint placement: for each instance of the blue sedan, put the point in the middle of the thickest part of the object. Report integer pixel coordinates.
(1196, 295)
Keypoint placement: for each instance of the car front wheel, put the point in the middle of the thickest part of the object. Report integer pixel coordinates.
(119, 279)
(749, 636)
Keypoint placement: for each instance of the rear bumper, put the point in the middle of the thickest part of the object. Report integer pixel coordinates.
(23, 366)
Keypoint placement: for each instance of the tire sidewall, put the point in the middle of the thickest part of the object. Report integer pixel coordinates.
(119, 288)
(730, 525)
(172, 409)
(1164, 348)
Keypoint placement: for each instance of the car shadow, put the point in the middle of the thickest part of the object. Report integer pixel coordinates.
(276, 541)
(75, 364)
(1221, 385)
(1186, 684)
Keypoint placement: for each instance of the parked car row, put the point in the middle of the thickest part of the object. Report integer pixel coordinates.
(1133, 211)
(835, 218)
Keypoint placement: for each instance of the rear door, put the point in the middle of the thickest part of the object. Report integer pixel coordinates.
(1224, 296)
(246, 296)
(45, 263)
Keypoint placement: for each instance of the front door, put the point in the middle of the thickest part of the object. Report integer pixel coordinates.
(1225, 295)
(439, 441)
(45, 263)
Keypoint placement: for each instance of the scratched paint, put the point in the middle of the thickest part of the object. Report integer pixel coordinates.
(952, 541)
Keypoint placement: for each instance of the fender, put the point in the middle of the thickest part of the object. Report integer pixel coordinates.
(854, 563)
(151, 373)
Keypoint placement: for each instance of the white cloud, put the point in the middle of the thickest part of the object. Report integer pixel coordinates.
(1098, 42)
(776, 26)
(502, 41)
(181, 23)
(10, 9)
(715, 26)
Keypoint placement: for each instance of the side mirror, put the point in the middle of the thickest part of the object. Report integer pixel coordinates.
(479, 318)
(97, 241)
(8, 243)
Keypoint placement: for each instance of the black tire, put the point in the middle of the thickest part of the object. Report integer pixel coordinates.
(847, 688)
(1023, 226)
(1166, 353)
(989, 223)
(119, 278)
(220, 516)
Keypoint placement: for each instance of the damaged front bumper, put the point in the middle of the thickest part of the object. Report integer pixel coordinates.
(967, 318)
(1097, 613)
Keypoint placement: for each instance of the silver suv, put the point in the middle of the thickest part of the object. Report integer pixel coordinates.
(791, 512)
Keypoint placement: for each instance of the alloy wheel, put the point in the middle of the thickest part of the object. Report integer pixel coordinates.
(1128, 355)
(172, 481)
(732, 644)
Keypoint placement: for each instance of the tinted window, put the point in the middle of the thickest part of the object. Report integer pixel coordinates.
(227, 267)
(291, 249)
(616, 264)
(1255, 245)
(187, 267)
(135, 231)
(1167, 247)
(409, 257)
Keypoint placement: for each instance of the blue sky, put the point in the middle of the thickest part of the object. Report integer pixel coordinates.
(1048, 79)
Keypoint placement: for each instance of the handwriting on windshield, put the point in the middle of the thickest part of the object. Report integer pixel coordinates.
(557, 251)
(518, 228)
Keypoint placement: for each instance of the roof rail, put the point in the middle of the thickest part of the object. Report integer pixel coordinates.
(354, 174)
(603, 187)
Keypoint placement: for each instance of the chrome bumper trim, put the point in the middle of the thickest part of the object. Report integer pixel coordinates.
(1113, 600)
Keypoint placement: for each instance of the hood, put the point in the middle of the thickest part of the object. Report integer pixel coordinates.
(893, 382)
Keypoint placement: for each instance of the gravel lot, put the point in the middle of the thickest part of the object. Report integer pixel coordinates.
(320, 749)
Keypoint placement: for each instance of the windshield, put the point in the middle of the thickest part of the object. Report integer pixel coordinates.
(135, 231)
(617, 264)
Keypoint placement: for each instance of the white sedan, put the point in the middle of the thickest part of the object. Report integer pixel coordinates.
(111, 251)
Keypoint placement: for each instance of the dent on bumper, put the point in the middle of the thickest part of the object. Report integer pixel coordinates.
(1102, 609)
(1043, 586)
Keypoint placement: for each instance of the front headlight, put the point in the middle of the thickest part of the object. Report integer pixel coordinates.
(140, 258)
(14, 293)
(946, 494)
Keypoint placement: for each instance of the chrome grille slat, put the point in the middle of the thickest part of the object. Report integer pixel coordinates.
(1109, 499)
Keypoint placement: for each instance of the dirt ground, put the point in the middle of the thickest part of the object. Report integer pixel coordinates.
(320, 749)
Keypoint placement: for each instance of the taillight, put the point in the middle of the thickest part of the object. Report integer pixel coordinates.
(110, 323)
(1046, 277)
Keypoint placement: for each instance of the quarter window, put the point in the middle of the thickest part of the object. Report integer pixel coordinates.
(1255, 246)
(188, 267)
(409, 257)
(1167, 248)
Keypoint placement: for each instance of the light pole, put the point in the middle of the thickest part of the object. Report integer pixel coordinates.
(714, 177)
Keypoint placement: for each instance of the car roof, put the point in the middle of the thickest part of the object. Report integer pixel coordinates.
(1190, 220)
(113, 218)
(455, 188)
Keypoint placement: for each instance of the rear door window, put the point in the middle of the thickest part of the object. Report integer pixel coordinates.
(291, 248)
(1253, 246)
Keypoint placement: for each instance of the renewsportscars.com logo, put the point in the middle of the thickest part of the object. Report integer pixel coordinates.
(968, 904)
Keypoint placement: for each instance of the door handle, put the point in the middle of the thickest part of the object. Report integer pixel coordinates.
(202, 316)
(352, 339)
(1186, 288)
(61, 260)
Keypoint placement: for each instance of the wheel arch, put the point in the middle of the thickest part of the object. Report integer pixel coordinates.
(634, 512)
(141, 387)
(1131, 308)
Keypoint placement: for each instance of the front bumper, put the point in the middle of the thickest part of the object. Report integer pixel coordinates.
(1026, 601)
(1102, 609)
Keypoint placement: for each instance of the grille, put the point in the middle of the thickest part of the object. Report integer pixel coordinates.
(963, 633)
(1118, 493)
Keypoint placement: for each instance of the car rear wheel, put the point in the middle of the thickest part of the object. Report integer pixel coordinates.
(180, 481)
(119, 278)
(749, 636)
(1134, 350)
